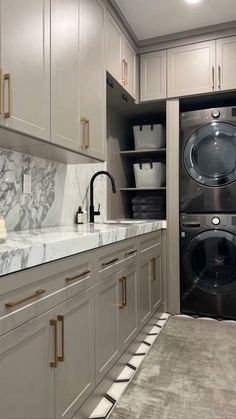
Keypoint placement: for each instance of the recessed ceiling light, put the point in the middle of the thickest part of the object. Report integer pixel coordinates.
(193, 1)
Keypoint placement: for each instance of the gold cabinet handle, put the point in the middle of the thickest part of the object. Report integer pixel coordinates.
(110, 262)
(126, 73)
(213, 77)
(1, 91)
(53, 364)
(83, 122)
(30, 297)
(123, 281)
(72, 278)
(87, 140)
(153, 261)
(123, 81)
(7, 77)
(219, 77)
(130, 253)
(61, 357)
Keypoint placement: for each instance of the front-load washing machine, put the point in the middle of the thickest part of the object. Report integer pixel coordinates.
(208, 264)
(208, 161)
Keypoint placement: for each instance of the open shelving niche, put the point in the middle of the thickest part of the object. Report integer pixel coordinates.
(122, 114)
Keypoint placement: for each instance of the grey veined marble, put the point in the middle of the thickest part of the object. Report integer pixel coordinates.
(57, 191)
(24, 249)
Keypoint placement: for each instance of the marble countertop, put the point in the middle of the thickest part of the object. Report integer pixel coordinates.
(28, 248)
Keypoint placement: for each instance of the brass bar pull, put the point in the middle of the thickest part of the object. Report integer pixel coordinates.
(30, 297)
(219, 77)
(213, 78)
(7, 77)
(87, 140)
(153, 261)
(1, 90)
(72, 278)
(126, 72)
(83, 122)
(61, 357)
(122, 281)
(110, 262)
(130, 253)
(123, 81)
(53, 364)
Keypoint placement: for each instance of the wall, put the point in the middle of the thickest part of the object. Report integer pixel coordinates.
(57, 191)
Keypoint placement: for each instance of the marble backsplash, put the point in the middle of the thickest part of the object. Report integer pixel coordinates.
(57, 191)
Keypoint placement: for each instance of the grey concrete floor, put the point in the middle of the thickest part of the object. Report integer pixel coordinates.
(189, 373)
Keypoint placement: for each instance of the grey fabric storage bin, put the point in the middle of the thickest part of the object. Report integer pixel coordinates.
(148, 208)
(149, 215)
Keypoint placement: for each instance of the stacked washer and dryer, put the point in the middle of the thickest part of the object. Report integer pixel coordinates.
(208, 212)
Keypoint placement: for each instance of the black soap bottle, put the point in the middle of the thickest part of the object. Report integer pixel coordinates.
(79, 219)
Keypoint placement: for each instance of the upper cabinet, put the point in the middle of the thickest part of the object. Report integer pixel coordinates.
(226, 63)
(121, 58)
(78, 76)
(92, 77)
(191, 69)
(153, 76)
(25, 66)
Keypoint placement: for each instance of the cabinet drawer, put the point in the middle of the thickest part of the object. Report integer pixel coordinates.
(148, 241)
(24, 295)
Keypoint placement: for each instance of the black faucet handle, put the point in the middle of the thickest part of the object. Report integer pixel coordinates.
(98, 211)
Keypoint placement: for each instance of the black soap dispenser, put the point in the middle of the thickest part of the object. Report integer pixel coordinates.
(79, 219)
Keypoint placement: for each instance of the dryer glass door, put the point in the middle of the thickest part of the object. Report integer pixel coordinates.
(210, 154)
(210, 261)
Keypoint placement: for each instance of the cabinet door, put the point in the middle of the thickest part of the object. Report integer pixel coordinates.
(156, 277)
(113, 48)
(191, 69)
(93, 77)
(226, 63)
(153, 76)
(75, 374)
(129, 67)
(65, 73)
(144, 290)
(128, 313)
(106, 325)
(25, 62)
(26, 379)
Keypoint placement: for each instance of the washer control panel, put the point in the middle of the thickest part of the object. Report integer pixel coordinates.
(215, 221)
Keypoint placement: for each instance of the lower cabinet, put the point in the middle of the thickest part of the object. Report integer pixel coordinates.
(26, 379)
(156, 277)
(74, 374)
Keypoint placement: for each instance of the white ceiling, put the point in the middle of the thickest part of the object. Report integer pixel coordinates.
(154, 18)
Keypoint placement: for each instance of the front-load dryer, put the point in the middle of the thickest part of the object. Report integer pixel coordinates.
(208, 264)
(208, 161)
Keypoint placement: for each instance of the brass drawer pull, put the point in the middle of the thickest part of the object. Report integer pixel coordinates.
(213, 77)
(72, 278)
(53, 364)
(123, 281)
(130, 253)
(61, 357)
(123, 81)
(219, 77)
(83, 122)
(153, 261)
(87, 140)
(7, 77)
(30, 297)
(104, 264)
(126, 73)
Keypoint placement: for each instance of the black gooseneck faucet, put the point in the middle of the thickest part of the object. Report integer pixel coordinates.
(92, 213)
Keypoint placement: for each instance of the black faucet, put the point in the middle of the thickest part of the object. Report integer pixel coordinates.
(92, 213)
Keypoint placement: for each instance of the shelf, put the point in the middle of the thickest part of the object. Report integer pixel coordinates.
(143, 153)
(163, 188)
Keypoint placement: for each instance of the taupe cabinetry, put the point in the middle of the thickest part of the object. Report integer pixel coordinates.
(202, 67)
(153, 76)
(78, 76)
(191, 69)
(25, 66)
(226, 63)
(121, 58)
(26, 379)
(144, 290)
(156, 276)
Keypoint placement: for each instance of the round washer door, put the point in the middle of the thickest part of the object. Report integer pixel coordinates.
(210, 154)
(210, 261)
